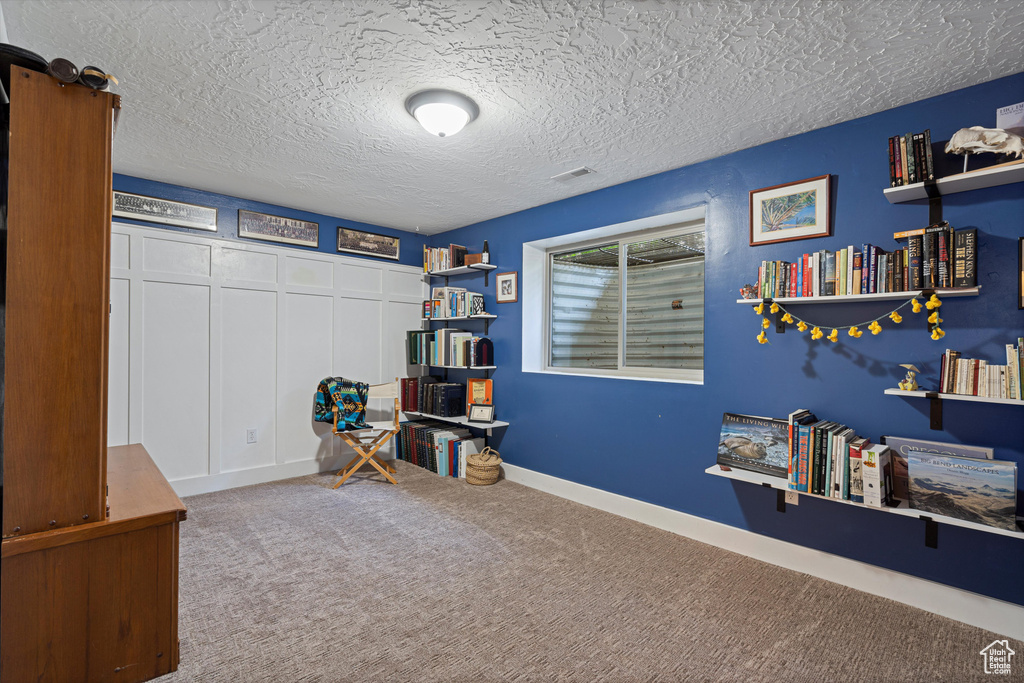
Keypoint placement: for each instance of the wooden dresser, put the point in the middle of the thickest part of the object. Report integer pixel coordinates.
(89, 561)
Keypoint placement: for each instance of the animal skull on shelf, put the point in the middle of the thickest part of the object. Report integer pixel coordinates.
(977, 139)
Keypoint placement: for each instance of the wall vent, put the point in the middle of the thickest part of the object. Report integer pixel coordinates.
(574, 173)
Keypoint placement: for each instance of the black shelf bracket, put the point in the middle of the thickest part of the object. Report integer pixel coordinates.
(931, 532)
(936, 410)
(780, 500)
(780, 327)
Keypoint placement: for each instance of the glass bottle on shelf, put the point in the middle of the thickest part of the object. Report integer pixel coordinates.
(486, 254)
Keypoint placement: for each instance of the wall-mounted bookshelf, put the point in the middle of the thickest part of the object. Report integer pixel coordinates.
(460, 420)
(465, 367)
(480, 316)
(1003, 174)
(953, 397)
(462, 270)
(903, 510)
(942, 293)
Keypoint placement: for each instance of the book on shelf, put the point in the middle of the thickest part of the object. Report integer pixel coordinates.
(981, 491)
(855, 492)
(980, 377)
(443, 258)
(876, 472)
(965, 250)
(480, 391)
(796, 419)
(900, 447)
(754, 443)
(910, 158)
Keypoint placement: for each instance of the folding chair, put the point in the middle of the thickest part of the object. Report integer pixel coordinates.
(366, 442)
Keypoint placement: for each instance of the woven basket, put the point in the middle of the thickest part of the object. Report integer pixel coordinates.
(482, 469)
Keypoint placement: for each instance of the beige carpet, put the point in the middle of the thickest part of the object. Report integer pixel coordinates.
(436, 580)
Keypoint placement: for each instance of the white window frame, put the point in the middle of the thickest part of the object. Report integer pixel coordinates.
(537, 293)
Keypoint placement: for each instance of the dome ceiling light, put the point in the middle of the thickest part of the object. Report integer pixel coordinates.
(442, 112)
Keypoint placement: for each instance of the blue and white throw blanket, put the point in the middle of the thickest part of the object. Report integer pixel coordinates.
(349, 396)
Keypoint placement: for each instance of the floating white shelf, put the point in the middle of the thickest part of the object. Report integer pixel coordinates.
(954, 397)
(462, 270)
(465, 367)
(943, 293)
(462, 420)
(962, 182)
(484, 316)
(781, 484)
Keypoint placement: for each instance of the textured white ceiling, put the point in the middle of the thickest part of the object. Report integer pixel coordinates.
(302, 103)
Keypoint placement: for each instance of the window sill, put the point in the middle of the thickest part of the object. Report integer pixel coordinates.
(601, 374)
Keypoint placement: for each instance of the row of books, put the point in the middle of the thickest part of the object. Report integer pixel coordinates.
(431, 396)
(910, 158)
(928, 261)
(828, 459)
(453, 302)
(443, 258)
(449, 347)
(977, 377)
(437, 446)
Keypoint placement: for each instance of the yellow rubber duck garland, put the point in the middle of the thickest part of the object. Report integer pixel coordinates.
(855, 331)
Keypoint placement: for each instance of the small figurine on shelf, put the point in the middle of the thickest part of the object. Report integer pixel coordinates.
(909, 383)
(748, 292)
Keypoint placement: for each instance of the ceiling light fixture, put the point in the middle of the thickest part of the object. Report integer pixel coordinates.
(442, 112)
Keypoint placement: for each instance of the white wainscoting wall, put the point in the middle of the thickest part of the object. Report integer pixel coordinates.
(210, 338)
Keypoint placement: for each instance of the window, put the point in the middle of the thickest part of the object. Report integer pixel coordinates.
(629, 305)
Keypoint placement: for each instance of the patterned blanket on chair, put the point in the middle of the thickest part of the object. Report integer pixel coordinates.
(349, 396)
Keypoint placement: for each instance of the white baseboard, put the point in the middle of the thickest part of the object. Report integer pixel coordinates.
(997, 616)
(256, 475)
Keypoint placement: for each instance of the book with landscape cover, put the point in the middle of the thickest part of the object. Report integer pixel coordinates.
(758, 444)
(901, 446)
(981, 491)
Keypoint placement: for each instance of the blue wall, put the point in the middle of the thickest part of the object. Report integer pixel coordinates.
(652, 441)
(410, 248)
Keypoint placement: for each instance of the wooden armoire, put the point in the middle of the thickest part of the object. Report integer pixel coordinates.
(89, 563)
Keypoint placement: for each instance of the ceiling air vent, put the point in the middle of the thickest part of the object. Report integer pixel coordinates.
(574, 173)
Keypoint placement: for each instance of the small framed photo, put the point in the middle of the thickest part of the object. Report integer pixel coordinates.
(507, 286)
(367, 244)
(154, 210)
(479, 412)
(263, 226)
(792, 211)
(1020, 273)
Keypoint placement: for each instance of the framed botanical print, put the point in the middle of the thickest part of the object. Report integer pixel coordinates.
(793, 211)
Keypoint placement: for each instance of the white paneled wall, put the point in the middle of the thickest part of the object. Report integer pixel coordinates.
(209, 339)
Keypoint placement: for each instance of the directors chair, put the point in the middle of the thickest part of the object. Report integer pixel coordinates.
(366, 442)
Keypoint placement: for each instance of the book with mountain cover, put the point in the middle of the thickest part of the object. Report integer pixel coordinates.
(980, 491)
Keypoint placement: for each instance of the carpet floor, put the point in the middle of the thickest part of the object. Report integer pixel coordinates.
(437, 580)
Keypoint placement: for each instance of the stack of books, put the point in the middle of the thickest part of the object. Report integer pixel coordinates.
(452, 302)
(828, 459)
(448, 347)
(443, 258)
(935, 257)
(910, 158)
(431, 396)
(977, 377)
(437, 446)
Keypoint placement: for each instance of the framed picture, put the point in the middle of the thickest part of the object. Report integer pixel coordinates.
(507, 286)
(263, 226)
(1020, 272)
(793, 211)
(153, 210)
(480, 413)
(367, 244)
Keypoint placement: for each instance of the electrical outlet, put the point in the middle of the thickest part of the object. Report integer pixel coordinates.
(792, 498)
(250, 436)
